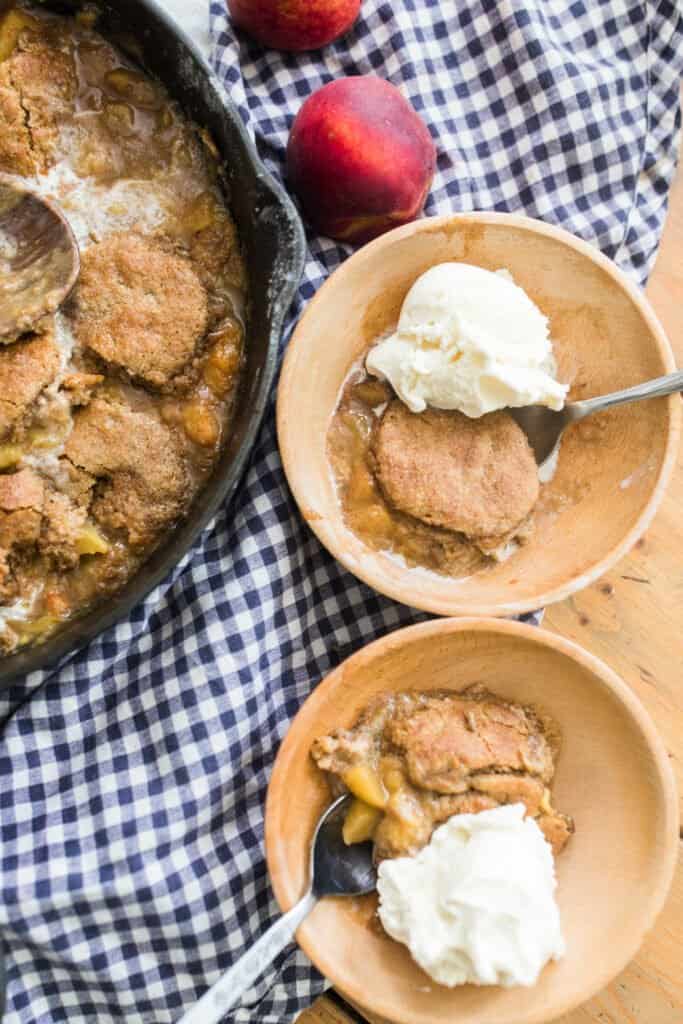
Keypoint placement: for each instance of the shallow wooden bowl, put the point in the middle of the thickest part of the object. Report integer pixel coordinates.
(613, 776)
(613, 468)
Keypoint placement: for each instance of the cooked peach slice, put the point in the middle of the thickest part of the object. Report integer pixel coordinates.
(91, 542)
(366, 785)
(12, 25)
(360, 822)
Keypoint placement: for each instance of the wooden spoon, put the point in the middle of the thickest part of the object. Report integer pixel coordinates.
(39, 259)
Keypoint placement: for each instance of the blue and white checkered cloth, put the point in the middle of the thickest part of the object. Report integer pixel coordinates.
(133, 778)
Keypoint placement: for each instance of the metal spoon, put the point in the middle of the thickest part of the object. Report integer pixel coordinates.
(39, 259)
(335, 870)
(544, 427)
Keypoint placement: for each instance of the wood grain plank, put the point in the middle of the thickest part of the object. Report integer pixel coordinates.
(327, 1011)
(633, 620)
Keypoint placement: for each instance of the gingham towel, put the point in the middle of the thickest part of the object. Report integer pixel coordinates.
(133, 779)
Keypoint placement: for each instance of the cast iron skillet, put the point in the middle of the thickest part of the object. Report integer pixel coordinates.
(274, 248)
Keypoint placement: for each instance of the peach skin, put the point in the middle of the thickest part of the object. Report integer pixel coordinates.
(294, 24)
(360, 159)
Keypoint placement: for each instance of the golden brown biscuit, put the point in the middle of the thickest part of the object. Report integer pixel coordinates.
(26, 369)
(37, 86)
(35, 519)
(473, 476)
(24, 489)
(139, 306)
(143, 478)
(443, 753)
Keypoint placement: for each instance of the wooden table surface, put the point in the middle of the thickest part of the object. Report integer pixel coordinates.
(633, 619)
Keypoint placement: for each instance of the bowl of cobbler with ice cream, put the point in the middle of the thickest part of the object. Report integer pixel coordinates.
(396, 425)
(519, 807)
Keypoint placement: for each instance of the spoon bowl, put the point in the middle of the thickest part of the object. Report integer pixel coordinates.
(39, 259)
(544, 427)
(338, 869)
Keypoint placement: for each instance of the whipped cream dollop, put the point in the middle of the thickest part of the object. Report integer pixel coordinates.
(477, 905)
(468, 339)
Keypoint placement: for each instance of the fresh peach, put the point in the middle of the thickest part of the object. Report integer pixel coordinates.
(359, 158)
(294, 24)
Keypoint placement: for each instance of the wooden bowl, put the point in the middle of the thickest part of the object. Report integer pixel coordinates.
(613, 776)
(613, 468)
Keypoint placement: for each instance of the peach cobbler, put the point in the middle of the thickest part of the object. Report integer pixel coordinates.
(431, 466)
(415, 759)
(113, 411)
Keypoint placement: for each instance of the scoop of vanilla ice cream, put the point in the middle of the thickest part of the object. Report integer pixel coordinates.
(468, 339)
(477, 904)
